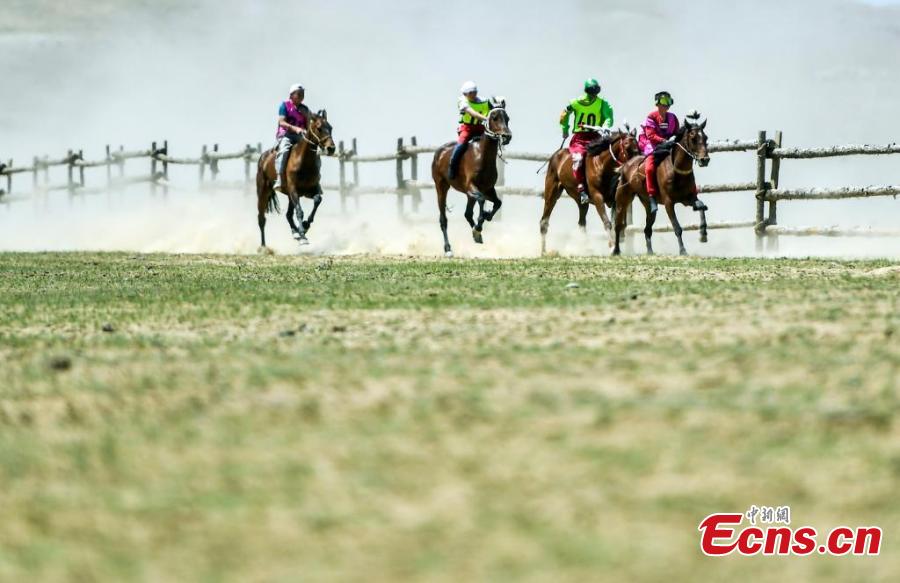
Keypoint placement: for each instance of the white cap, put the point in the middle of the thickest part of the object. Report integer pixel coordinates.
(468, 87)
(296, 87)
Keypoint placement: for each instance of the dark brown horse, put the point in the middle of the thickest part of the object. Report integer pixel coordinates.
(477, 173)
(301, 177)
(676, 184)
(604, 156)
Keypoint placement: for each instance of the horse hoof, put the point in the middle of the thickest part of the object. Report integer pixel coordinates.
(488, 217)
(303, 241)
(306, 225)
(296, 235)
(477, 236)
(703, 239)
(616, 252)
(263, 250)
(683, 253)
(448, 254)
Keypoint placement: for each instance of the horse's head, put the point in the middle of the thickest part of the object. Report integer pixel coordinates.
(319, 129)
(498, 120)
(693, 139)
(628, 143)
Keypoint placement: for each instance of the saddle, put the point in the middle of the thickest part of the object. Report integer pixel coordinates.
(663, 151)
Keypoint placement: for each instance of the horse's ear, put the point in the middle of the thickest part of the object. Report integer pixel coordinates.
(703, 125)
(322, 113)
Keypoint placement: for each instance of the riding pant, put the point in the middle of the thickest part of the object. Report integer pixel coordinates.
(281, 153)
(578, 149)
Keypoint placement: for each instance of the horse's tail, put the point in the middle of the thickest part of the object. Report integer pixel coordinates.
(272, 204)
(264, 188)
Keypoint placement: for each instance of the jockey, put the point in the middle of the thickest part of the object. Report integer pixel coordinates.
(589, 110)
(292, 116)
(473, 114)
(659, 127)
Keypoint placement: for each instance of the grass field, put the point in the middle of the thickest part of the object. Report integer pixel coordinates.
(205, 418)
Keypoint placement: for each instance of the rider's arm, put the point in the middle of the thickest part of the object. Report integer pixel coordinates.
(606, 112)
(283, 123)
(465, 109)
(564, 120)
(650, 130)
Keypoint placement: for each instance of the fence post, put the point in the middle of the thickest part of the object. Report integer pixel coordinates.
(401, 184)
(772, 238)
(202, 163)
(355, 176)
(108, 168)
(761, 150)
(9, 165)
(70, 182)
(81, 168)
(342, 176)
(153, 167)
(501, 173)
(165, 165)
(46, 168)
(414, 177)
(248, 151)
(121, 161)
(214, 164)
(34, 174)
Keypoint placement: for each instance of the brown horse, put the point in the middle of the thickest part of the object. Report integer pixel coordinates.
(301, 177)
(477, 173)
(676, 184)
(604, 156)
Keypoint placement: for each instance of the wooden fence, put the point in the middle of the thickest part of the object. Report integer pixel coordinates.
(768, 152)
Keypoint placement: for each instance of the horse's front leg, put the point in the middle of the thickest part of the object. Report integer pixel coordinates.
(290, 218)
(703, 237)
(676, 226)
(496, 203)
(317, 200)
(470, 211)
(476, 231)
(301, 230)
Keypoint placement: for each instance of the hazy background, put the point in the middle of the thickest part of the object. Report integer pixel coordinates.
(81, 74)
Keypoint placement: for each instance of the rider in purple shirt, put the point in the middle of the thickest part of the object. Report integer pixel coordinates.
(292, 116)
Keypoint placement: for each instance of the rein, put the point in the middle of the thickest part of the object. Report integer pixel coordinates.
(693, 159)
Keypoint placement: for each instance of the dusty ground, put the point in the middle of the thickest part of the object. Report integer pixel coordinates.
(276, 418)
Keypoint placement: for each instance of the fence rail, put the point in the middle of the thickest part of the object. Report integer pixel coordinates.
(768, 152)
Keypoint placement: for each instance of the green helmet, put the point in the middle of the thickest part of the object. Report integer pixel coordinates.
(664, 98)
(592, 86)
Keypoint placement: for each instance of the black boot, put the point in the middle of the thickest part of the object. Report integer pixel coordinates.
(653, 206)
(455, 157)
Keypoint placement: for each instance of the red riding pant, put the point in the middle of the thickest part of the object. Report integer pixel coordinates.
(578, 149)
(466, 131)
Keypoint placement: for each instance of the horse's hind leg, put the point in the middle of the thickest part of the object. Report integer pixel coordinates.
(261, 220)
(290, 219)
(582, 215)
(442, 188)
(550, 197)
(624, 196)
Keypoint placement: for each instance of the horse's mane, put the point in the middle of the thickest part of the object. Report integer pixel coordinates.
(600, 145)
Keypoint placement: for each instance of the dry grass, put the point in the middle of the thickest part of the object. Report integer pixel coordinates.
(284, 418)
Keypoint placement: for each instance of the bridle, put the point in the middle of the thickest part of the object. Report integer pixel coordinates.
(693, 157)
(495, 135)
(613, 153)
(318, 143)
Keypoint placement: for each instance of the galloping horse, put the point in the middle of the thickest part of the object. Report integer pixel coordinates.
(675, 177)
(477, 173)
(604, 157)
(301, 177)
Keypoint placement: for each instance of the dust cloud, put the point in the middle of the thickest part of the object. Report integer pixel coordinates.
(86, 74)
